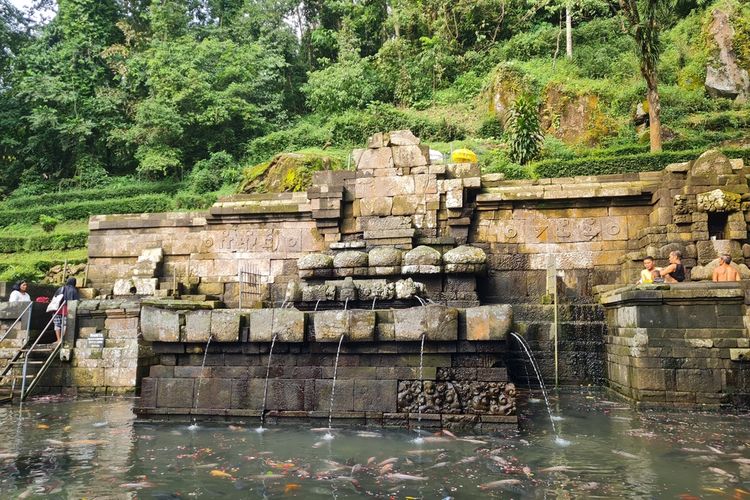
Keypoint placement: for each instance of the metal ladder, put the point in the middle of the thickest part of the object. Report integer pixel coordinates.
(32, 360)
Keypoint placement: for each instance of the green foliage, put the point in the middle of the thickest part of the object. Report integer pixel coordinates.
(341, 86)
(20, 199)
(354, 127)
(498, 161)
(185, 200)
(302, 135)
(491, 127)
(48, 223)
(642, 162)
(209, 175)
(523, 130)
(85, 209)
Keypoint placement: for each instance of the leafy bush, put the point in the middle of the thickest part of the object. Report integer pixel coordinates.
(208, 175)
(48, 223)
(191, 201)
(523, 130)
(497, 161)
(354, 127)
(63, 241)
(130, 188)
(491, 128)
(539, 42)
(341, 86)
(302, 135)
(643, 162)
(83, 210)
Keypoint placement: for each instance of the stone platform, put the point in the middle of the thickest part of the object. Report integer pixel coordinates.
(679, 345)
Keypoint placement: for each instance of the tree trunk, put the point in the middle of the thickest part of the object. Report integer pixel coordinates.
(568, 33)
(654, 112)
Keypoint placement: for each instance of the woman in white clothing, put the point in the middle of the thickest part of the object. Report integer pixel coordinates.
(19, 293)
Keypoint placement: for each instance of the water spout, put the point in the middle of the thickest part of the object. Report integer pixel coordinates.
(421, 302)
(316, 305)
(194, 425)
(329, 434)
(346, 303)
(419, 439)
(560, 441)
(265, 387)
(373, 303)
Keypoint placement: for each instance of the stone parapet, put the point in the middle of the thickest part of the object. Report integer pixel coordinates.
(677, 345)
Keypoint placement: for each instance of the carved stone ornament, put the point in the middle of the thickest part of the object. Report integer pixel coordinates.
(718, 201)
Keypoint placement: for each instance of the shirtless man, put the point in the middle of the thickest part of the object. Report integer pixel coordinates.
(675, 271)
(725, 272)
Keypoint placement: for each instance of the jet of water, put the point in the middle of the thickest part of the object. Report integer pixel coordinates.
(527, 350)
(373, 303)
(316, 305)
(329, 435)
(346, 303)
(194, 425)
(419, 439)
(265, 387)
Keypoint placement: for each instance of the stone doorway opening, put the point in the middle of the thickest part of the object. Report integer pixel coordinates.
(717, 225)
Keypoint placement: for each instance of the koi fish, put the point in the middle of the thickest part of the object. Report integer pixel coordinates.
(221, 474)
(500, 484)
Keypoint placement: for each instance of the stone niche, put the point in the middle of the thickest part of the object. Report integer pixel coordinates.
(679, 345)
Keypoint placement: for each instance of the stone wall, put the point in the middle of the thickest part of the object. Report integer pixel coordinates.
(103, 352)
(594, 231)
(378, 379)
(679, 345)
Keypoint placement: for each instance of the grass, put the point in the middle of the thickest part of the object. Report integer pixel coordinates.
(34, 265)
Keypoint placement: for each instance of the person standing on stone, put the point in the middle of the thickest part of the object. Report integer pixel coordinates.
(649, 271)
(675, 271)
(19, 293)
(69, 292)
(724, 271)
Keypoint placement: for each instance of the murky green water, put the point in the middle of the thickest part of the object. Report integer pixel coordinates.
(95, 449)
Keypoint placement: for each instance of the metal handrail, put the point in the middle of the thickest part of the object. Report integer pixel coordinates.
(10, 328)
(33, 346)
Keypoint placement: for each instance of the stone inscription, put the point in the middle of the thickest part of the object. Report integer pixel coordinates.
(255, 240)
(560, 230)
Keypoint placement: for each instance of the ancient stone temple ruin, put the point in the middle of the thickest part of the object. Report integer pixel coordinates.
(404, 278)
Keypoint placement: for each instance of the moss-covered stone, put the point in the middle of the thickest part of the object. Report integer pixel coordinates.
(285, 172)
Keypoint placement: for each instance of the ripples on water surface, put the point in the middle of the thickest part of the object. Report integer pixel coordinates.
(94, 449)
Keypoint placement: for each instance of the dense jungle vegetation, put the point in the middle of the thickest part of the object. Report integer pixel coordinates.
(149, 105)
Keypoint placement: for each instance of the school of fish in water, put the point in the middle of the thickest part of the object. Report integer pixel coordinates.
(95, 449)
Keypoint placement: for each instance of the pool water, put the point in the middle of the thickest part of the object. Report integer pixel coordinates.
(57, 448)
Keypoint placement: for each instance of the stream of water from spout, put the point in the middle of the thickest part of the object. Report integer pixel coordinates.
(419, 439)
(373, 303)
(329, 435)
(316, 305)
(529, 354)
(194, 425)
(346, 303)
(265, 387)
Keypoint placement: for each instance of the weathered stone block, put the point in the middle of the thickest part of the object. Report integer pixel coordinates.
(492, 322)
(344, 399)
(120, 377)
(422, 256)
(287, 324)
(213, 393)
(160, 325)
(385, 257)
(375, 395)
(350, 258)
(315, 261)
(225, 325)
(175, 393)
(465, 254)
(197, 326)
(376, 206)
(401, 138)
(437, 322)
(354, 325)
(411, 155)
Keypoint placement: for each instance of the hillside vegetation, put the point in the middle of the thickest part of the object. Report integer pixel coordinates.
(117, 106)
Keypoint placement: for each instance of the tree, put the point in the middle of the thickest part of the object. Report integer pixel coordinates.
(646, 19)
